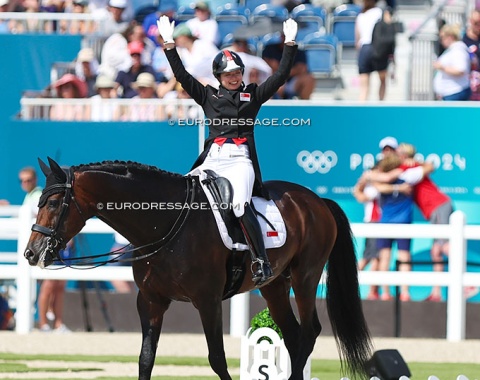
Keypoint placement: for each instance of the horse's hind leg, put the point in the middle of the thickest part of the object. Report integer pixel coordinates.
(151, 318)
(210, 309)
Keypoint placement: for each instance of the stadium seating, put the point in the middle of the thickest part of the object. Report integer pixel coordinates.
(308, 14)
(251, 4)
(342, 23)
(276, 13)
(230, 17)
(323, 55)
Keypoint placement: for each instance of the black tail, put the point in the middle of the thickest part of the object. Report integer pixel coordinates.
(343, 299)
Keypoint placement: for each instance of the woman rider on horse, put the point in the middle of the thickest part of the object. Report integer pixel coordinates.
(231, 111)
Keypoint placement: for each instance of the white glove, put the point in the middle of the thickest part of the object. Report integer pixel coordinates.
(165, 29)
(290, 28)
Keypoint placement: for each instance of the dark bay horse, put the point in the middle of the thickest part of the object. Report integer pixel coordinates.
(184, 259)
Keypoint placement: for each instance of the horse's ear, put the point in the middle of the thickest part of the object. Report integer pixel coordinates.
(57, 170)
(44, 167)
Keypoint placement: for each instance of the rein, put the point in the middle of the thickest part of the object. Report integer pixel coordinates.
(176, 227)
(54, 240)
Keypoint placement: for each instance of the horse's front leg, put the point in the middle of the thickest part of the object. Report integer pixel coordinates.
(210, 309)
(151, 318)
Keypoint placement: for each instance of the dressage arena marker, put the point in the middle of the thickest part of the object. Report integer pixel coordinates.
(260, 359)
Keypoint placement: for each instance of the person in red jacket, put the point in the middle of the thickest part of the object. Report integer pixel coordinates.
(435, 207)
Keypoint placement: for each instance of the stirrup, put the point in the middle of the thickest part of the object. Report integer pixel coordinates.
(263, 273)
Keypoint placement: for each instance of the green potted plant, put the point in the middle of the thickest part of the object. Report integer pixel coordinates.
(264, 319)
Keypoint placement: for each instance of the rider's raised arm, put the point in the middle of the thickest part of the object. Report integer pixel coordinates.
(191, 85)
(268, 88)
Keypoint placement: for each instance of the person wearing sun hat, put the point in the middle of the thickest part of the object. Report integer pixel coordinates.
(86, 68)
(78, 85)
(69, 86)
(113, 20)
(101, 109)
(139, 110)
(203, 26)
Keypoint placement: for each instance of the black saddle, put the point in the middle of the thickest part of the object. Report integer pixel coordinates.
(222, 193)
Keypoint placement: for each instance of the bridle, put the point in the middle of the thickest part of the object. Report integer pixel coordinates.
(54, 240)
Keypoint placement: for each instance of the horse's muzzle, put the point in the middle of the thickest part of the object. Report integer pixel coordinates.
(31, 257)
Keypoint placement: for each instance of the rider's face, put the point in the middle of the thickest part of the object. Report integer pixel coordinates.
(231, 80)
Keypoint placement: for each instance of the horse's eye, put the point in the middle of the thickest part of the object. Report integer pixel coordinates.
(53, 203)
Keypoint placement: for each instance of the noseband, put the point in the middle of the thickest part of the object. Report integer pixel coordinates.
(54, 240)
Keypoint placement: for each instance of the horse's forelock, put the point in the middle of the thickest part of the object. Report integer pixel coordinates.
(50, 188)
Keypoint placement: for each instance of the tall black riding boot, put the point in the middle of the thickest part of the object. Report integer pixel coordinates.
(253, 234)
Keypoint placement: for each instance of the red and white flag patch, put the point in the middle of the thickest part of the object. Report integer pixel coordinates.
(244, 97)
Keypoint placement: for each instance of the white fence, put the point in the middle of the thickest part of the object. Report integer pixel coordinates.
(455, 279)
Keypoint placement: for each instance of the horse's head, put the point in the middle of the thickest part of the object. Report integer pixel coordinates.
(57, 222)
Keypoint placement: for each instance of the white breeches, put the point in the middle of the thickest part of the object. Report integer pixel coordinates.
(233, 162)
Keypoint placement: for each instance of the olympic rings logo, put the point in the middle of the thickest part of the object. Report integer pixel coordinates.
(317, 161)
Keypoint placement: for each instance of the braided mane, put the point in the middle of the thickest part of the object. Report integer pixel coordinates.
(123, 168)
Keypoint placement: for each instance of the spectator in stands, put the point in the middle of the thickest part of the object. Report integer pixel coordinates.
(101, 110)
(30, 24)
(181, 111)
(364, 24)
(301, 83)
(69, 86)
(257, 69)
(472, 40)
(115, 56)
(196, 54)
(4, 23)
(113, 21)
(138, 34)
(364, 192)
(138, 110)
(81, 27)
(166, 8)
(472, 34)
(452, 77)
(124, 79)
(203, 26)
(99, 7)
(86, 68)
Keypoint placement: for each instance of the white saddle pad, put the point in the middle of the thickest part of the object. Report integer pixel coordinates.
(272, 238)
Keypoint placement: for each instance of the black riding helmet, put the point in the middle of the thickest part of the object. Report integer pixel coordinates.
(225, 62)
